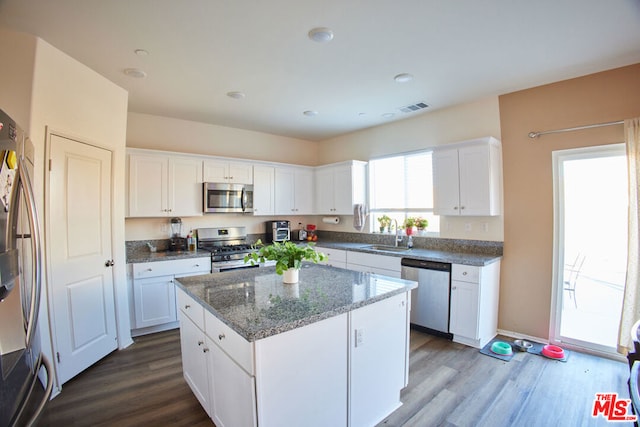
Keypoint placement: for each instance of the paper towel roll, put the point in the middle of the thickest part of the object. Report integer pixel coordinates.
(330, 219)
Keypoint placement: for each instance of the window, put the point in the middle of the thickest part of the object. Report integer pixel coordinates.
(401, 187)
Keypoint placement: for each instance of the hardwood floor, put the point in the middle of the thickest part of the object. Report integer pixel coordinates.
(449, 385)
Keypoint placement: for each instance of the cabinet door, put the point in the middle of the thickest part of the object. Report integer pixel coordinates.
(241, 173)
(194, 361)
(185, 187)
(155, 301)
(446, 185)
(147, 185)
(343, 190)
(232, 391)
(474, 173)
(215, 171)
(378, 338)
(303, 192)
(263, 190)
(284, 191)
(463, 318)
(324, 191)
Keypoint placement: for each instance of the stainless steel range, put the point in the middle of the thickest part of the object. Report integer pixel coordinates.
(228, 246)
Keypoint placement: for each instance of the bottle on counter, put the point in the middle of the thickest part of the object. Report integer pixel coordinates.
(190, 244)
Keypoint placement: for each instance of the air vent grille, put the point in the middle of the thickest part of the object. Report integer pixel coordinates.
(413, 107)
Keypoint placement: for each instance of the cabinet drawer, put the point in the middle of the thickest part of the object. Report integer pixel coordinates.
(190, 307)
(239, 349)
(173, 267)
(336, 256)
(465, 273)
(372, 260)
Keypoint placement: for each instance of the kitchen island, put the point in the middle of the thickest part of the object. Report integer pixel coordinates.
(330, 350)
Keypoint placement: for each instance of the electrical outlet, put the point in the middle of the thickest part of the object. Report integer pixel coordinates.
(485, 227)
(164, 228)
(359, 337)
(467, 226)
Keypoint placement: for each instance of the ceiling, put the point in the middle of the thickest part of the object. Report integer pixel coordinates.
(457, 51)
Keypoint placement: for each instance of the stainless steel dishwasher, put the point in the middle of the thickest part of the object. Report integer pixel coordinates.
(430, 301)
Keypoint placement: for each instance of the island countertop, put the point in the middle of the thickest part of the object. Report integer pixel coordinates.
(256, 304)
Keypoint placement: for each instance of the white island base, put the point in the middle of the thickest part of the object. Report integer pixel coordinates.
(346, 370)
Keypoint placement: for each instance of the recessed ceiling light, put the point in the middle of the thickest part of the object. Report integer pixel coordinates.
(135, 72)
(235, 95)
(141, 52)
(310, 113)
(388, 115)
(403, 78)
(321, 34)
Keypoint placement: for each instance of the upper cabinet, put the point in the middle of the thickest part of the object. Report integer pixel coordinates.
(339, 186)
(163, 185)
(293, 191)
(466, 178)
(228, 171)
(264, 190)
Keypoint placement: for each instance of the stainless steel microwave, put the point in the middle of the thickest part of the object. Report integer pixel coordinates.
(227, 198)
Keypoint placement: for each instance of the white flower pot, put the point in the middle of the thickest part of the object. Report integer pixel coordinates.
(290, 275)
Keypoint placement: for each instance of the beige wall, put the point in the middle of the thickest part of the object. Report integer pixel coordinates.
(42, 87)
(526, 282)
(169, 134)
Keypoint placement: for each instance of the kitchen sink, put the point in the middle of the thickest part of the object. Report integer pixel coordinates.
(387, 248)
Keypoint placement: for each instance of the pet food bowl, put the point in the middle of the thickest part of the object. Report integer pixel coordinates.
(553, 351)
(502, 348)
(522, 345)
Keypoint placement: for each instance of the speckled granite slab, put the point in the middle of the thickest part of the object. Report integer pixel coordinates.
(256, 304)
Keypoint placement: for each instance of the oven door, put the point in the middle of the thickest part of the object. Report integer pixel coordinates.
(227, 198)
(222, 266)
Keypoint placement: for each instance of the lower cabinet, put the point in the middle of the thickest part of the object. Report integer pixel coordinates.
(347, 370)
(153, 291)
(374, 263)
(335, 257)
(474, 303)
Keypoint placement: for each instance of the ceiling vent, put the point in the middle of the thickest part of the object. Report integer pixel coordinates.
(413, 107)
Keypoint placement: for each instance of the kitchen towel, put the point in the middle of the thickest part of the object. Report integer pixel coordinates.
(331, 219)
(359, 216)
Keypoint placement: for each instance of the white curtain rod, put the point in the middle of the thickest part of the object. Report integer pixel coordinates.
(534, 135)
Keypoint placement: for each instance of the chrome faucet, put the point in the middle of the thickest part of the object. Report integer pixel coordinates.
(398, 238)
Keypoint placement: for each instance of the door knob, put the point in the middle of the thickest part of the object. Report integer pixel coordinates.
(108, 263)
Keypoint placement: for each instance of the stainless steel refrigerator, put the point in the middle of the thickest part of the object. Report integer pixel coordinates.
(22, 396)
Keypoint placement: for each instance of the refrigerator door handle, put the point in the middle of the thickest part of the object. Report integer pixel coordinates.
(24, 182)
(42, 361)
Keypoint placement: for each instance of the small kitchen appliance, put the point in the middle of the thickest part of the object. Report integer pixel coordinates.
(227, 246)
(177, 242)
(227, 198)
(278, 231)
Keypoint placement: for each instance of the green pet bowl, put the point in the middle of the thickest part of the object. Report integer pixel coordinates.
(502, 348)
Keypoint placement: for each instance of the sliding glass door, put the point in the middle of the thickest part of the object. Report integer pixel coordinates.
(590, 254)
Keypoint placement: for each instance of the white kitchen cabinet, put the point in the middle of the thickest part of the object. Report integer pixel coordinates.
(231, 172)
(379, 337)
(195, 359)
(163, 185)
(474, 303)
(466, 178)
(293, 191)
(264, 190)
(335, 257)
(154, 300)
(339, 186)
(374, 263)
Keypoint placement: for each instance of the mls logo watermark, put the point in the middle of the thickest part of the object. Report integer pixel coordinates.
(611, 408)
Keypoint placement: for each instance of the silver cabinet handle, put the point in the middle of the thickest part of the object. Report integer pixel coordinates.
(108, 263)
(453, 288)
(200, 343)
(187, 307)
(464, 273)
(221, 337)
(149, 269)
(455, 208)
(461, 207)
(204, 350)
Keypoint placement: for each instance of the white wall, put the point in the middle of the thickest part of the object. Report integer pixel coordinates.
(42, 88)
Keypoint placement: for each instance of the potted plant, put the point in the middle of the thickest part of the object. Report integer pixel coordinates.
(421, 223)
(409, 223)
(385, 222)
(288, 257)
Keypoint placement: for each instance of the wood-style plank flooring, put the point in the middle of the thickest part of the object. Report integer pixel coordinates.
(449, 385)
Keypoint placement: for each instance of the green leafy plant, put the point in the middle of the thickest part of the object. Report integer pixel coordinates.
(286, 255)
(409, 222)
(384, 221)
(421, 223)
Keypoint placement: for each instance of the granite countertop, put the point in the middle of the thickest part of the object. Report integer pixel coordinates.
(256, 304)
(454, 257)
(145, 255)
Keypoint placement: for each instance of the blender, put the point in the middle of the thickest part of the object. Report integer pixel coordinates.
(177, 242)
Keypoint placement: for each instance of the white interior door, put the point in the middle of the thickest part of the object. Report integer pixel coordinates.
(78, 248)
